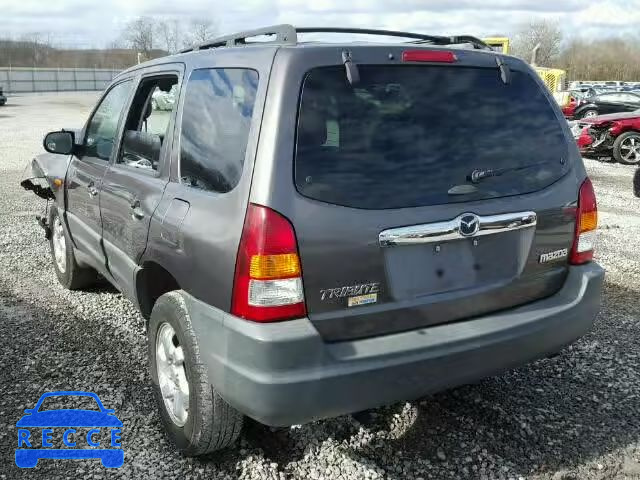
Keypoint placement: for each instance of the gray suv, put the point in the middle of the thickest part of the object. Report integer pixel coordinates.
(314, 229)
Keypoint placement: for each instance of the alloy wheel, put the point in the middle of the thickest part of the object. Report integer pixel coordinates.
(630, 149)
(172, 377)
(59, 245)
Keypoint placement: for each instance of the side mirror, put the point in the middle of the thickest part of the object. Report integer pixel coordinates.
(29, 410)
(59, 142)
(636, 183)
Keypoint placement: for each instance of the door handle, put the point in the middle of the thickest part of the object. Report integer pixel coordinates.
(136, 211)
(93, 191)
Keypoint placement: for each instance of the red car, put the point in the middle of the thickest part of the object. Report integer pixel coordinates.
(569, 109)
(616, 135)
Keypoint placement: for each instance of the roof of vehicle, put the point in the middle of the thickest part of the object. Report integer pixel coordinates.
(287, 35)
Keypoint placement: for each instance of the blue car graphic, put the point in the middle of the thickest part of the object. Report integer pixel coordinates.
(112, 457)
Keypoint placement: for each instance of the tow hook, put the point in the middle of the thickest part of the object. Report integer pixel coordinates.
(42, 221)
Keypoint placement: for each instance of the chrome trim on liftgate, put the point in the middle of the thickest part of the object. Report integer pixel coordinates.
(450, 230)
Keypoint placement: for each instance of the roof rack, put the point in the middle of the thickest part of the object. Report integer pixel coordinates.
(458, 39)
(288, 35)
(284, 34)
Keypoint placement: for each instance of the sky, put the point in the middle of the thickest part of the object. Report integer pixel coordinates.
(96, 23)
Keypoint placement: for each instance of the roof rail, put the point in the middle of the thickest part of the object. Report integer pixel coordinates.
(288, 34)
(284, 34)
(457, 39)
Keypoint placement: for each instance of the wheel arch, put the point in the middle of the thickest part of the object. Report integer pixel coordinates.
(152, 280)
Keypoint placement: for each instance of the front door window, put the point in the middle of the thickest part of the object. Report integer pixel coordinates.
(103, 126)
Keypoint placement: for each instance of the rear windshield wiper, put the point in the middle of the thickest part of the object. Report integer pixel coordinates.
(480, 174)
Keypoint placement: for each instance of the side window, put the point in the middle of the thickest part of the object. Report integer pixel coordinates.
(216, 119)
(102, 129)
(614, 97)
(147, 122)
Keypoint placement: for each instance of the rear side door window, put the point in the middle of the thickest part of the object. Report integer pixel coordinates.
(147, 123)
(630, 98)
(216, 119)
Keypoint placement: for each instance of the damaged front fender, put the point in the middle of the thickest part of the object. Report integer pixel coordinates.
(45, 174)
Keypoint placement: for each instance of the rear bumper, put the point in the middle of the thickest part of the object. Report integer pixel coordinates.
(285, 374)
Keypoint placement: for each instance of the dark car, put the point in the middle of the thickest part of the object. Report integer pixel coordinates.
(316, 229)
(3, 98)
(605, 103)
(614, 136)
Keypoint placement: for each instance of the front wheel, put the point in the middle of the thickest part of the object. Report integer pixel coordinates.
(589, 113)
(194, 415)
(69, 273)
(626, 148)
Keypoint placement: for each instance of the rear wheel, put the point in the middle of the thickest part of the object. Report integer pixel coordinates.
(589, 113)
(194, 415)
(69, 273)
(626, 148)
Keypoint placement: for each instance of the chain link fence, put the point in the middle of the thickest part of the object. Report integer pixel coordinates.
(19, 80)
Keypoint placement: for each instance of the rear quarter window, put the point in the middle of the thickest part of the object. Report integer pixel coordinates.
(216, 120)
(409, 136)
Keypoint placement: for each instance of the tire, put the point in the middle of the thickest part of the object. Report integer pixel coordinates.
(626, 148)
(69, 273)
(209, 423)
(588, 113)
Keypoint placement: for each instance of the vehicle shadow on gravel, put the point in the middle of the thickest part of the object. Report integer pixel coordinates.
(101, 286)
(553, 415)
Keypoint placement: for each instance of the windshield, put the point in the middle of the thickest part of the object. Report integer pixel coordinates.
(409, 136)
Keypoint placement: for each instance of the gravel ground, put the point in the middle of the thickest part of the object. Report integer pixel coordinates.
(575, 416)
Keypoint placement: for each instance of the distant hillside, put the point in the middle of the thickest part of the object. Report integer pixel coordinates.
(29, 54)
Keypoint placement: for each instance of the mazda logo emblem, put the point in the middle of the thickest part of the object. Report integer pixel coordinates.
(469, 224)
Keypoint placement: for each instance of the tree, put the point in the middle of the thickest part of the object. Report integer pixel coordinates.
(602, 59)
(146, 34)
(170, 34)
(543, 32)
(200, 30)
(139, 35)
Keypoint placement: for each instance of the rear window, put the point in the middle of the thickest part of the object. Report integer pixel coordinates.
(408, 136)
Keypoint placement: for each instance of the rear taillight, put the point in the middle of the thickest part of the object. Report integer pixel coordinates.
(437, 56)
(268, 281)
(586, 225)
